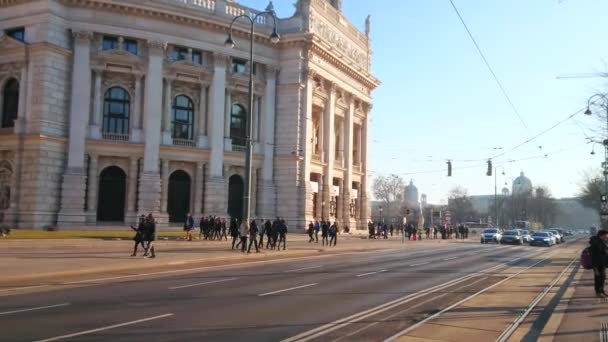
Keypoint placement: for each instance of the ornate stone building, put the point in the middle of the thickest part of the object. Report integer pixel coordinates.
(111, 109)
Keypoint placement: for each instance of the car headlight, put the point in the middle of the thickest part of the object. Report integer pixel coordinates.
(547, 239)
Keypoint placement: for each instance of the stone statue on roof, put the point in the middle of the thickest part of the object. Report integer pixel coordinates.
(368, 25)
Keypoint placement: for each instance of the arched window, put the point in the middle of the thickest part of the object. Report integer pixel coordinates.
(116, 110)
(238, 124)
(10, 103)
(183, 118)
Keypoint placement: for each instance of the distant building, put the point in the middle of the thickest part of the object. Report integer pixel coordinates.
(522, 185)
(411, 199)
(572, 214)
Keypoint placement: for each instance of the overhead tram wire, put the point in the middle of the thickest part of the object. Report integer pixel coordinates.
(502, 88)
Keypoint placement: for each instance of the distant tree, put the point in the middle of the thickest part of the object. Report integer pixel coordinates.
(591, 190)
(460, 205)
(542, 207)
(389, 189)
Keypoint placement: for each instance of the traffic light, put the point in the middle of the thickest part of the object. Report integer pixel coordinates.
(449, 168)
(489, 172)
(407, 211)
(604, 198)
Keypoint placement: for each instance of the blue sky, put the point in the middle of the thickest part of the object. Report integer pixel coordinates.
(438, 100)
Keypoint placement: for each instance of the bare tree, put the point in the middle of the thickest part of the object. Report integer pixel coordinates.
(542, 206)
(460, 205)
(591, 190)
(389, 189)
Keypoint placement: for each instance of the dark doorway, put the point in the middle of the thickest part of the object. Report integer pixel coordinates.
(178, 200)
(112, 193)
(235, 196)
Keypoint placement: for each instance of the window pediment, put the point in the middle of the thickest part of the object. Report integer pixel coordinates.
(119, 57)
(189, 71)
(10, 44)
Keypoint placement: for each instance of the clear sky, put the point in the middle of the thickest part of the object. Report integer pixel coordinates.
(438, 101)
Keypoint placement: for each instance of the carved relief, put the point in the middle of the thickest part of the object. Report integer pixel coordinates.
(113, 79)
(339, 41)
(188, 89)
(6, 174)
(10, 70)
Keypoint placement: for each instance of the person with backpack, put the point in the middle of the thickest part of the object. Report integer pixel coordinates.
(599, 260)
(333, 234)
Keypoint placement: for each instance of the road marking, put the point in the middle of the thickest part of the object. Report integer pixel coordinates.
(34, 309)
(22, 288)
(452, 258)
(285, 290)
(420, 264)
(199, 284)
(176, 263)
(514, 259)
(370, 273)
(303, 268)
(86, 332)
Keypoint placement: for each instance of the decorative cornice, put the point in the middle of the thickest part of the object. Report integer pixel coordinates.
(82, 35)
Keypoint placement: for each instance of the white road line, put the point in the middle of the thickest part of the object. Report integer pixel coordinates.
(34, 309)
(420, 264)
(199, 284)
(303, 268)
(285, 290)
(370, 273)
(452, 258)
(176, 263)
(22, 288)
(514, 259)
(86, 332)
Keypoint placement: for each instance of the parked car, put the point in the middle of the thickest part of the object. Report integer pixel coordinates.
(491, 235)
(512, 237)
(526, 235)
(558, 235)
(542, 239)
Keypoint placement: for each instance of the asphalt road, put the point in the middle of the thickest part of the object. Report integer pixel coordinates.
(260, 302)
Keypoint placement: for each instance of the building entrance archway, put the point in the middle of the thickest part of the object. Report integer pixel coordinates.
(236, 188)
(178, 198)
(112, 193)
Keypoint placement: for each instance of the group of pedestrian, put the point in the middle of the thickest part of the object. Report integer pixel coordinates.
(275, 232)
(329, 232)
(145, 235)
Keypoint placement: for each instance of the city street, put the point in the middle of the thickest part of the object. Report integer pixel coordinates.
(366, 295)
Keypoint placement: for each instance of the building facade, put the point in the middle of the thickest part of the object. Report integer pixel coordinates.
(111, 109)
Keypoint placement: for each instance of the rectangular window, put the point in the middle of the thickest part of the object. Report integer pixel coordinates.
(16, 33)
(239, 66)
(197, 57)
(130, 45)
(179, 54)
(109, 43)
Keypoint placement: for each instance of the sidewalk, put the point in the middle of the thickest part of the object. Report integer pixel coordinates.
(581, 316)
(29, 262)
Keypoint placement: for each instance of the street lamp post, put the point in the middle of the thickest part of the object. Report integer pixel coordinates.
(605, 143)
(274, 38)
(496, 192)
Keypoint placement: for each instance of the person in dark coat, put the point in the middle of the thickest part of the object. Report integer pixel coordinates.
(325, 233)
(188, 227)
(253, 236)
(333, 234)
(311, 232)
(234, 232)
(139, 237)
(282, 232)
(599, 260)
(150, 236)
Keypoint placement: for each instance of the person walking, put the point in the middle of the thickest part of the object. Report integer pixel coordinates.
(234, 232)
(150, 236)
(253, 237)
(282, 230)
(244, 234)
(599, 261)
(317, 228)
(333, 234)
(311, 231)
(325, 233)
(139, 235)
(188, 226)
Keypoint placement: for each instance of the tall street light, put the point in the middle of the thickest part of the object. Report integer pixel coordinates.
(274, 38)
(604, 98)
(496, 192)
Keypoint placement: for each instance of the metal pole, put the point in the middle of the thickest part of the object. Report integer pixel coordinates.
(495, 198)
(249, 136)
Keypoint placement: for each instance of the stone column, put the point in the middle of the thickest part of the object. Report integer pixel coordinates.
(268, 190)
(214, 186)
(227, 112)
(348, 161)
(306, 208)
(164, 174)
(20, 122)
(202, 141)
(95, 131)
(319, 204)
(254, 193)
(167, 140)
(92, 194)
(149, 182)
(363, 200)
(198, 189)
(74, 178)
(136, 131)
(328, 139)
(131, 216)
